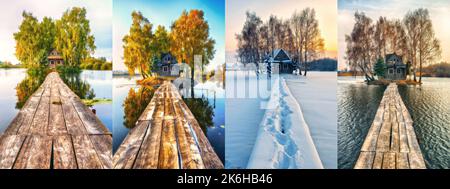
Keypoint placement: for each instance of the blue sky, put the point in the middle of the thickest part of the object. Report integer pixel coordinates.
(164, 13)
(393, 9)
(99, 13)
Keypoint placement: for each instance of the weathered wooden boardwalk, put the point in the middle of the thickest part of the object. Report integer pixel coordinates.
(391, 142)
(54, 129)
(166, 136)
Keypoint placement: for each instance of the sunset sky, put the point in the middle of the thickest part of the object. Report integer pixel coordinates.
(164, 13)
(99, 13)
(393, 9)
(326, 12)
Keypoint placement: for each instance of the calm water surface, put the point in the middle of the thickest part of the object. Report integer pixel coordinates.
(98, 81)
(428, 104)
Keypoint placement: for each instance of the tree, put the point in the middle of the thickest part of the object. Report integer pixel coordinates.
(428, 48)
(137, 45)
(161, 41)
(361, 49)
(380, 68)
(34, 40)
(313, 43)
(190, 37)
(249, 41)
(73, 37)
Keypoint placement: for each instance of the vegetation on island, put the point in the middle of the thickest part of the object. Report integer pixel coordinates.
(188, 37)
(412, 38)
(298, 35)
(70, 36)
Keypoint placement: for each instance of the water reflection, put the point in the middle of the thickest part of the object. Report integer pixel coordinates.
(135, 103)
(27, 87)
(203, 111)
(79, 86)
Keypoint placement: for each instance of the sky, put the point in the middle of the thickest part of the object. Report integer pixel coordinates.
(99, 12)
(393, 9)
(326, 12)
(165, 13)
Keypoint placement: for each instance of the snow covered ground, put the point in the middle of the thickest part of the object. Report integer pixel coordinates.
(244, 109)
(287, 122)
(316, 95)
(283, 140)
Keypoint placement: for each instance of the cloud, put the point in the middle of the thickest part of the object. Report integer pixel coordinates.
(99, 12)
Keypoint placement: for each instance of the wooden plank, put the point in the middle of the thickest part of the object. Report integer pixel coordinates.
(92, 124)
(378, 160)
(402, 161)
(365, 160)
(125, 156)
(149, 154)
(85, 153)
(209, 156)
(73, 122)
(35, 153)
(389, 160)
(383, 141)
(190, 153)
(395, 138)
(416, 160)
(168, 152)
(9, 149)
(57, 125)
(63, 153)
(103, 146)
(396, 145)
(40, 120)
(29, 111)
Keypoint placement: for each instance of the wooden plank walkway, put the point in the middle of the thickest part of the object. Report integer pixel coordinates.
(391, 142)
(166, 136)
(54, 129)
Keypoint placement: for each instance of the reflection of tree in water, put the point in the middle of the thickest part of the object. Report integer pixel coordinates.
(135, 104)
(27, 87)
(81, 88)
(203, 111)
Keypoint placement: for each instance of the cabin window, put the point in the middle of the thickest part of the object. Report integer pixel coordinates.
(285, 66)
(165, 69)
(399, 71)
(391, 71)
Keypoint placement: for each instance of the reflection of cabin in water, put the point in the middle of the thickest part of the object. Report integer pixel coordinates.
(54, 59)
(281, 57)
(168, 66)
(395, 68)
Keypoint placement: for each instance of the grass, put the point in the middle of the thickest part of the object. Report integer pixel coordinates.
(92, 102)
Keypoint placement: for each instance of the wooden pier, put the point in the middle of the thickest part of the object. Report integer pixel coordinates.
(54, 129)
(391, 142)
(166, 136)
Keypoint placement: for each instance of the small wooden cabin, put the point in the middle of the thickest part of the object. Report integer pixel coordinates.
(395, 67)
(281, 57)
(55, 59)
(168, 66)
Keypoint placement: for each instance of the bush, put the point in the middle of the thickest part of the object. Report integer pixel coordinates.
(106, 66)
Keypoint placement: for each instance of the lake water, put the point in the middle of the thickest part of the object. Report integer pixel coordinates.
(99, 81)
(212, 91)
(428, 104)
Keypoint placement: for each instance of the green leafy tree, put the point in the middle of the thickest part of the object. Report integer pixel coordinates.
(34, 40)
(73, 37)
(380, 68)
(137, 45)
